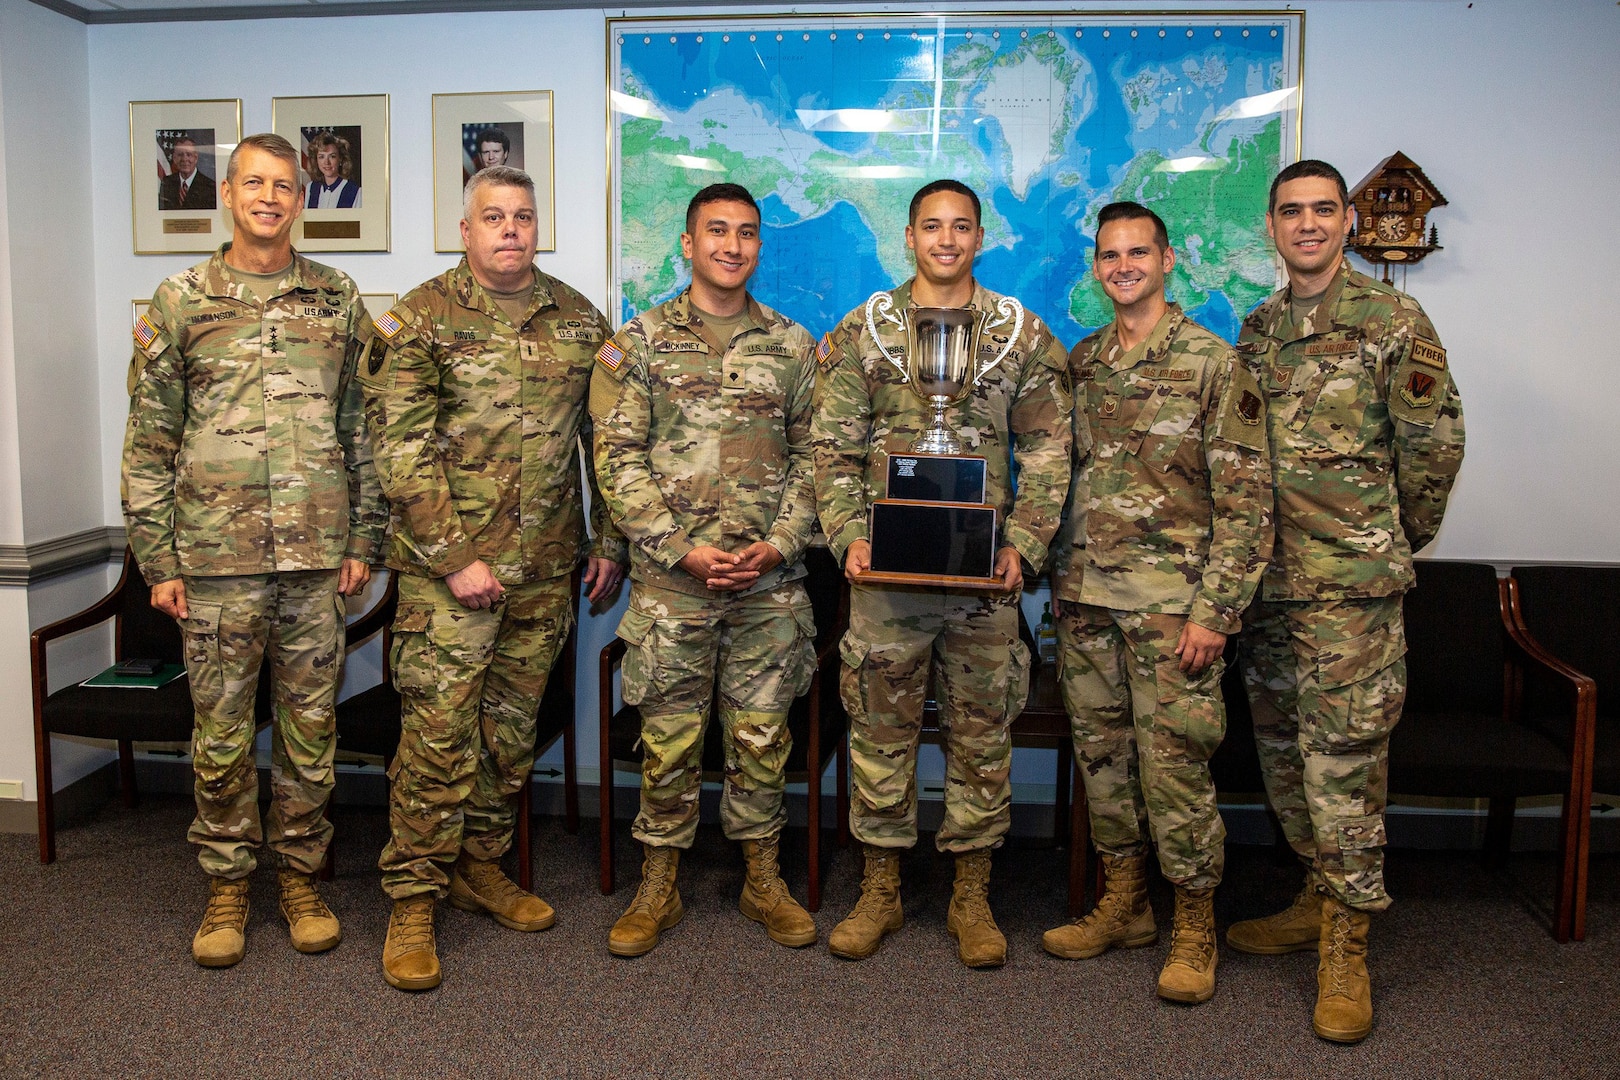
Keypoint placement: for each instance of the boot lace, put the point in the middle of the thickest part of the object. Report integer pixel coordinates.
(873, 900)
(411, 927)
(301, 901)
(768, 874)
(654, 882)
(974, 898)
(1191, 939)
(487, 879)
(1338, 966)
(227, 907)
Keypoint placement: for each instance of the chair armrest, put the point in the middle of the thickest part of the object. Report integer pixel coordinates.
(375, 619)
(1583, 689)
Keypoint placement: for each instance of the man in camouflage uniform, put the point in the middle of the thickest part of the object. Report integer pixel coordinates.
(900, 636)
(1366, 435)
(475, 396)
(702, 414)
(1165, 535)
(253, 510)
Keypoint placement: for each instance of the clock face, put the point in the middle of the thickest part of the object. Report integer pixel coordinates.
(1393, 228)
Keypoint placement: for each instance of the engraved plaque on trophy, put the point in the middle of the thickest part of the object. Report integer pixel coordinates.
(934, 527)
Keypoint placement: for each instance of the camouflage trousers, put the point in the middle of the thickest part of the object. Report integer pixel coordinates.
(1326, 682)
(233, 624)
(758, 650)
(1144, 731)
(969, 642)
(470, 683)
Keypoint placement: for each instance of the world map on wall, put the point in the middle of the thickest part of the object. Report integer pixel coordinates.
(833, 123)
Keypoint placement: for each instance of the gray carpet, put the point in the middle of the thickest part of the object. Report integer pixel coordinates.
(96, 977)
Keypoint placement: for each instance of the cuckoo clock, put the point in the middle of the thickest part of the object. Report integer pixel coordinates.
(1392, 214)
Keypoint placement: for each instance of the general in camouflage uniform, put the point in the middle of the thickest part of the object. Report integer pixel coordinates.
(901, 637)
(1366, 434)
(702, 411)
(475, 395)
(252, 509)
(1164, 539)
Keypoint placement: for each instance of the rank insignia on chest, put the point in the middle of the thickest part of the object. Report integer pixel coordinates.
(1281, 377)
(1248, 407)
(1109, 407)
(610, 356)
(1419, 390)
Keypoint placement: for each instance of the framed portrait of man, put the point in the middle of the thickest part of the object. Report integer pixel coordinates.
(342, 145)
(477, 131)
(177, 156)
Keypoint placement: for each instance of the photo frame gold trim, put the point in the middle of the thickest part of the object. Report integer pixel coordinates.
(526, 114)
(354, 118)
(164, 217)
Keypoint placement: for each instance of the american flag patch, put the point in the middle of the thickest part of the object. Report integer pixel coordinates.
(145, 332)
(610, 356)
(824, 348)
(387, 325)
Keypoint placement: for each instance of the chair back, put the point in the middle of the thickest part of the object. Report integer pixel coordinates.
(1455, 657)
(1575, 612)
(142, 631)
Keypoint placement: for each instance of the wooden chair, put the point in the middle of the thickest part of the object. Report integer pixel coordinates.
(368, 723)
(816, 721)
(1465, 732)
(1574, 612)
(120, 715)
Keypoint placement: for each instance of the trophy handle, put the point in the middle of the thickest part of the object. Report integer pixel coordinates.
(1007, 307)
(881, 306)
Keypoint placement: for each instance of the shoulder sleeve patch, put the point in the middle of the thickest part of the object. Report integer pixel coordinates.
(1242, 419)
(827, 350)
(1428, 353)
(375, 365)
(611, 357)
(1418, 387)
(150, 343)
(391, 322)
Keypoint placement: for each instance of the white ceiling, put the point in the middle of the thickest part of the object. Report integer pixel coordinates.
(120, 11)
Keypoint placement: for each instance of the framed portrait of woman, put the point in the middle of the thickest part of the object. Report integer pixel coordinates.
(342, 145)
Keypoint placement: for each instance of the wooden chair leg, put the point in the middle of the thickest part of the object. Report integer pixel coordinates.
(47, 798)
(812, 812)
(605, 804)
(126, 773)
(1060, 806)
(843, 791)
(524, 845)
(570, 783)
(1079, 842)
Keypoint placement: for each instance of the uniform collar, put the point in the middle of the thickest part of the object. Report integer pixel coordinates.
(1154, 346)
(218, 283)
(466, 291)
(681, 313)
(1321, 320)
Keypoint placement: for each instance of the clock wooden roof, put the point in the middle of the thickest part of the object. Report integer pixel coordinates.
(1400, 163)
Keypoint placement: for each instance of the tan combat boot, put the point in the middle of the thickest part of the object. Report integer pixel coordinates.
(314, 928)
(765, 897)
(1122, 918)
(1294, 929)
(979, 941)
(877, 913)
(477, 885)
(222, 938)
(656, 908)
(410, 961)
(1343, 989)
(1188, 974)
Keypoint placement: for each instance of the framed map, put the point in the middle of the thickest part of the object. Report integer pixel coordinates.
(834, 121)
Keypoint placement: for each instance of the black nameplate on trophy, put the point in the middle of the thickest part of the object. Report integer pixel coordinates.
(933, 539)
(936, 478)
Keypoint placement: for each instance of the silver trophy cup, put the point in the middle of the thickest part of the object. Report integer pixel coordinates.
(941, 362)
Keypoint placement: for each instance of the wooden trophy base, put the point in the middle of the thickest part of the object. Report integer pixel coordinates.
(944, 544)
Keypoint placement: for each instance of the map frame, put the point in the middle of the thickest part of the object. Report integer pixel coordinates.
(622, 107)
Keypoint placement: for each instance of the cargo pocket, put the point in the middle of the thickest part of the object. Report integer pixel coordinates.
(852, 680)
(1017, 679)
(636, 673)
(413, 659)
(802, 662)
(1361, 833)
(1199, 724)
(1361, 681)
(200, 631)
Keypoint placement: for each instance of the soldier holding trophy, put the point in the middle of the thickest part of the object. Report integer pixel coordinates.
(943, 355)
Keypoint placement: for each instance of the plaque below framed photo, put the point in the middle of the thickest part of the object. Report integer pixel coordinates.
(917, 542)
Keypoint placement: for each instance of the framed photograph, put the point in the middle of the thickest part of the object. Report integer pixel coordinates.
(834, 121)
(137, 309)
(343, 146)
(177, 156)
(378, 303)
(475, 131)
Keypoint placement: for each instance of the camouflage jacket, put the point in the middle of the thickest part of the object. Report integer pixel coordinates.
(246, 449)
(865, 411)
(476, 425)
(1170, 506)
(694, 448)
(1366, 432)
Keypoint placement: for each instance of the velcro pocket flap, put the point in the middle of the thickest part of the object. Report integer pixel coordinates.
(635, 625)
(413, 619)
(1354, 659)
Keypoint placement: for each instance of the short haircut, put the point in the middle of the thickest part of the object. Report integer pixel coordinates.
(332, 139)
(494, 176)
(495, 135)
(1131, 211)
(717, 193)
(271, 144)
(1309, 167)
(937, 186)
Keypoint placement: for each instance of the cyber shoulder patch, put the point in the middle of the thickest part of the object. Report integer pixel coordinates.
(610, 356)
(388, 324)
(1428, 353)
(1418, 390)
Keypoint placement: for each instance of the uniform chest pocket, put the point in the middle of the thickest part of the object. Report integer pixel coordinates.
(1334, 405)
(1166, 431)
